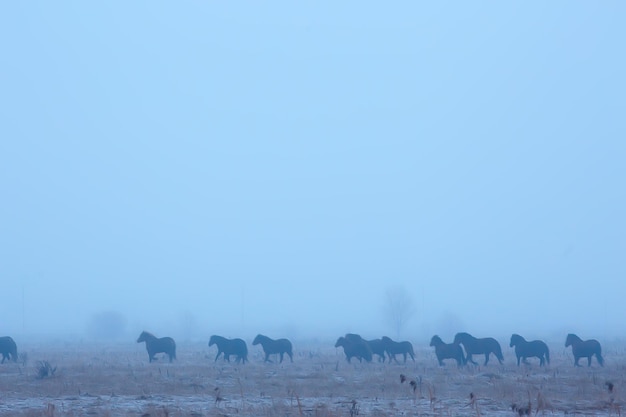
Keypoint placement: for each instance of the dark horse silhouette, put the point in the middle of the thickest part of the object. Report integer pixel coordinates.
(8, 348)
(156, 345)
(354, 346)
(584, 349)
(271, 347)
(533, 349)
(447, 351)
(474, 346)
(394, 348)
(378, 348)
(229, 347)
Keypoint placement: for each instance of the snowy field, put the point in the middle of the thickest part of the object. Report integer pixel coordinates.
(117, 380)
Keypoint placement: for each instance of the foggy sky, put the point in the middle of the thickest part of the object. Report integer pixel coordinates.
(276, 167)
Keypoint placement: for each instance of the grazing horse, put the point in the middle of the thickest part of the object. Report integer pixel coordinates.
(394, 348)
(447, 351)
(378, 348)
(8, 348)
(156, 345)
(476, 346)
(533, 349)
(271, 346)
(584, 349)
(229, 347)
(355, 347)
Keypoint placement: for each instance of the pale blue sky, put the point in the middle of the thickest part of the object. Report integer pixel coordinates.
(276, 166)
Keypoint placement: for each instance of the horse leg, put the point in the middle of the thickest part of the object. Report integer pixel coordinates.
(218, 355)
(486, 358)
(469, 359)
(290, 356)
(589, 360)
(281, 357)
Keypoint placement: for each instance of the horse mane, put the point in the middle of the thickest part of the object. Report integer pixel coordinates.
(435, 339)
(145, 333)
(571, 338)
(458, 338)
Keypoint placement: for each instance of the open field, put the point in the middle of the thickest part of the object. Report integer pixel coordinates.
(117, 380)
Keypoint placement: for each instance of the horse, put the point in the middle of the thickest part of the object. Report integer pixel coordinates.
(584, 349)
(378, 348)
(447, 351)
(156, 345)
(229, 347)
(473, 346)
(355, 347)
(8, 348)
(271, 346)
(394, 348)
(533, 349)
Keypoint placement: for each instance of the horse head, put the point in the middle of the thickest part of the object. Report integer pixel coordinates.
(571, 339)
(436, 340)
(143, 336)
(341, 342)
(515, 339)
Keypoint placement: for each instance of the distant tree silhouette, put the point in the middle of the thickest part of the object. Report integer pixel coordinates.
(398, 308)
(107, 325)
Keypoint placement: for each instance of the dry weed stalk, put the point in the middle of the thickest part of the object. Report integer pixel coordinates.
(44, 369)
(354, 410)
(474, 403)
(542, 404)
(613, 406)
(431, 397)
(243, 405)
(218, 396)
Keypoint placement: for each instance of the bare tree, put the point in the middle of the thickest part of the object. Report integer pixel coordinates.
(107, 325)
(399, 308)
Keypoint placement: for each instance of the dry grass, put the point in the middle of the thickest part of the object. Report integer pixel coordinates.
(119, 381)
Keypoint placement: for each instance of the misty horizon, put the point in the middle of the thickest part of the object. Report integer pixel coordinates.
(207, 169)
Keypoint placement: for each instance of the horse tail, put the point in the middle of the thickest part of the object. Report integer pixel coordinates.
(599, 357)
(498, 352)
